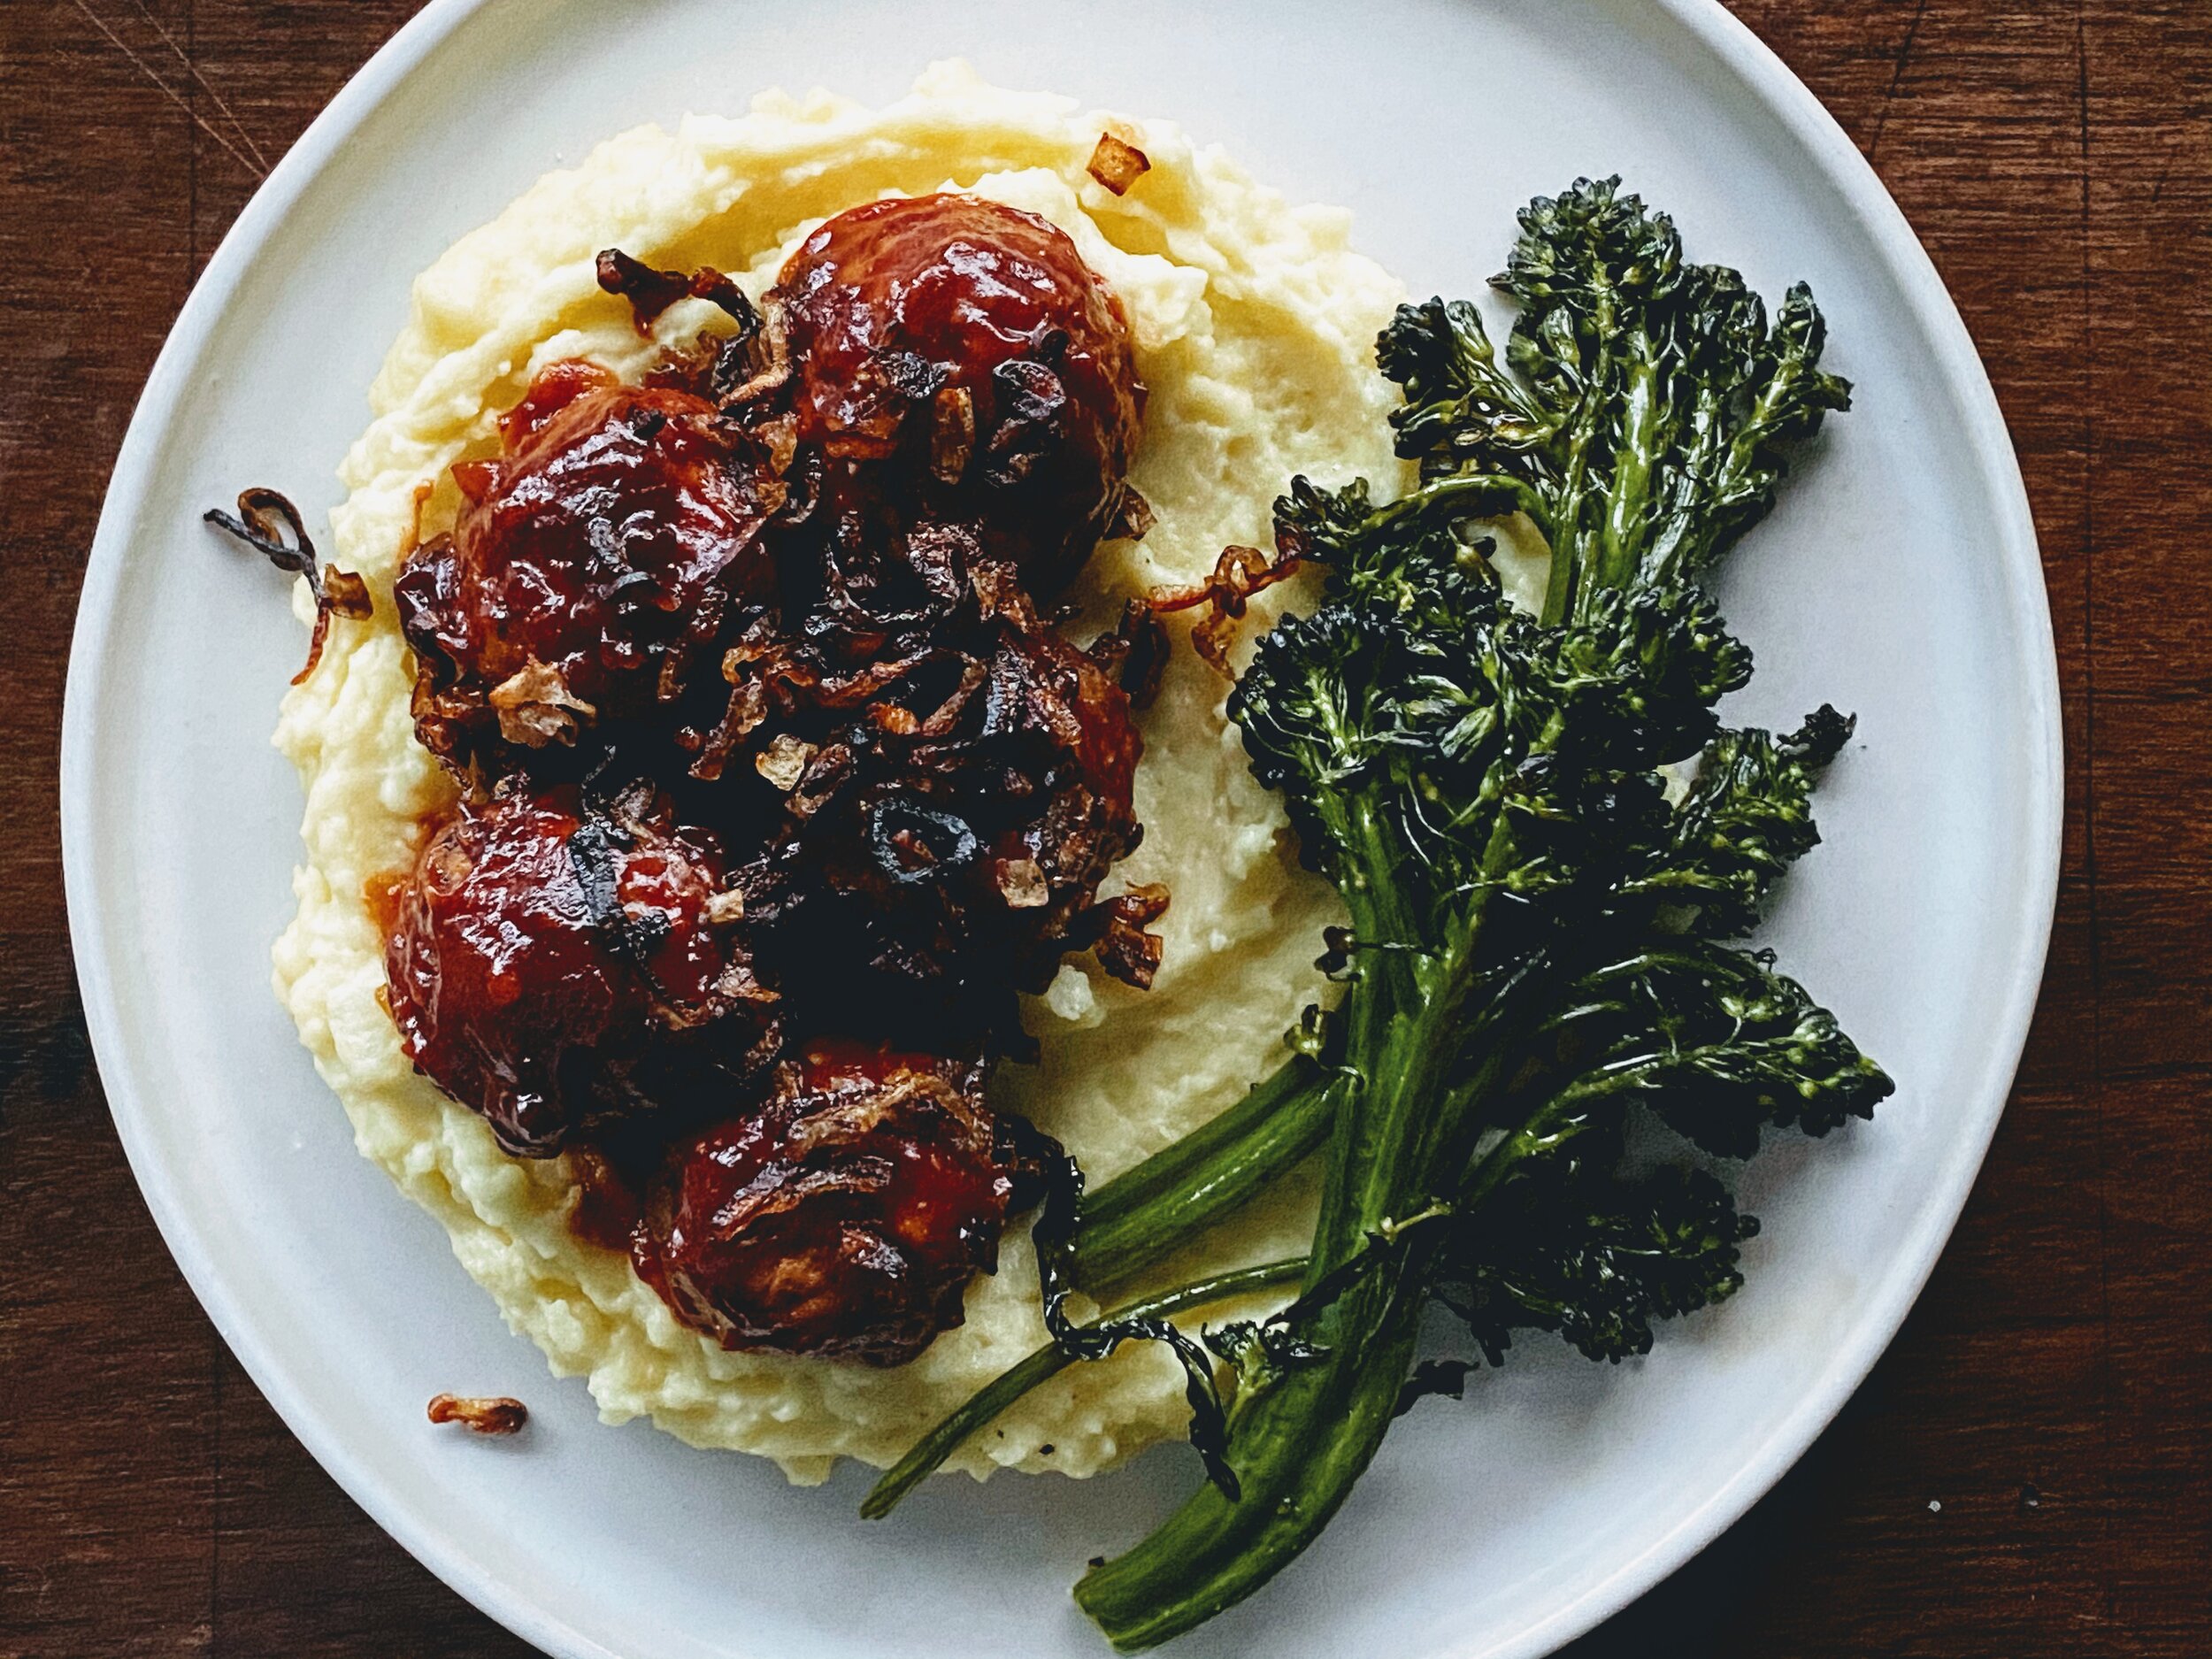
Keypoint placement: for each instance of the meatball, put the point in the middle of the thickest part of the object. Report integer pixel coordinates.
(789, 577)
(954, 357)
(589, 563)
(845, 1217)
(558, 969)
(942, 847)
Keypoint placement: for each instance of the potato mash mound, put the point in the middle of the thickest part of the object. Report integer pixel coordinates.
(1254, 324)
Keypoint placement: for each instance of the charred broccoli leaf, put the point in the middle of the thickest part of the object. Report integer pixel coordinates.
(1598, 1259)
(1747, 819)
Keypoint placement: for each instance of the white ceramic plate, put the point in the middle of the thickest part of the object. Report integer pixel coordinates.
(1900, 578)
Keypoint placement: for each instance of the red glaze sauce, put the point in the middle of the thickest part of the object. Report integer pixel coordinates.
(382, 894)
(604, 1208)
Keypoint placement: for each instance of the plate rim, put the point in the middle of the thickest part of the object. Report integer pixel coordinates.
(2018, 564)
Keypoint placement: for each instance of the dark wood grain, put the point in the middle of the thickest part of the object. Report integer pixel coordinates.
(2028, 1472)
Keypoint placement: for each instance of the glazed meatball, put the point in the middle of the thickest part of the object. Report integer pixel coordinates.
(958, 358)
(559, 969)
(590, 562)
(845, 1217)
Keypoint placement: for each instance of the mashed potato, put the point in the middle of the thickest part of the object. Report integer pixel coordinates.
(1253, 323)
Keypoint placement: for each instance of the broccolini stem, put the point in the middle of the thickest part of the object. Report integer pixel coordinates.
(1386, 981)
(1010, 1385)
(1628, 502)
(1146, 1213)
(1214, 1552)
(1469, 495)
(1403, 1134)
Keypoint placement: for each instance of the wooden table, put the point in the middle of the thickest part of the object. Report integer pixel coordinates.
(2028, 1472)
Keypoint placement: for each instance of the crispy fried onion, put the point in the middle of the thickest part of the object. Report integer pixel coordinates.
(1116, 932)
(848, 1118)
(1132, 516)
(770, 673)
(1238, 574)
(651, 292)
(1117, 164)
(264, 520)
(951, 432)
(749, 365)
(784, 762)
(535, 707)
(1021, 884)
(1135, 653)
(480, 1414)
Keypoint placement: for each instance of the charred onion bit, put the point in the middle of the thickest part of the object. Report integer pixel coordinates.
(591, 561)
(845, 1217)
(955, 358)
(1135, 653)
(272, 525)
(558, 967)
(480, 1414)
(1124, 948)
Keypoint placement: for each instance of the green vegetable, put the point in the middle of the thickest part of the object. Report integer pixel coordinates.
(1537, 950)
(1206, 1173)
(1047, 1362)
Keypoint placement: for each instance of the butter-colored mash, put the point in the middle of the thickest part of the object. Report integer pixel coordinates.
(1254, 324)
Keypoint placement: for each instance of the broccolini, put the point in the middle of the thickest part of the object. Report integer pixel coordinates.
(1539, 926)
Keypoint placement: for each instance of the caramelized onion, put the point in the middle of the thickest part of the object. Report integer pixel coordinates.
(266, 521)
(651, 292)
(1238, 574)
(480, 1414)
